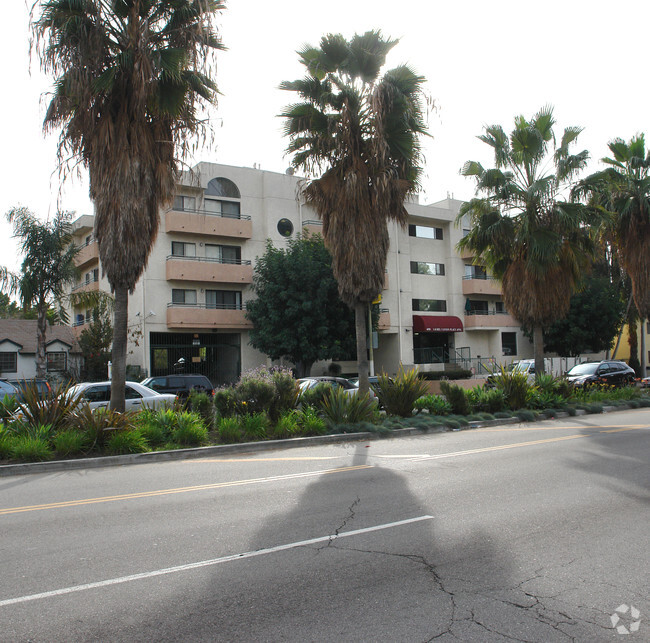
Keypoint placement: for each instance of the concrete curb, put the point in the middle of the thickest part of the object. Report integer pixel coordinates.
(253, 447)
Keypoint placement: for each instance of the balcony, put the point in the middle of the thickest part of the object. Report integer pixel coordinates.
(384, 319)
(488, 320)
(184, 316)
(87, 253)
(214, 271)
(313, 226)
(90, 285)
(209, 223)
(481, 286)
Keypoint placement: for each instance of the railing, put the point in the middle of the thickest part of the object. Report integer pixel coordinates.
(80, 322)
(430, 356)
(486, 312)
(85, 283)
(312, 222)
(208, 306)
(243, 217)
(235, 262)
(479, 277)
(85, 244)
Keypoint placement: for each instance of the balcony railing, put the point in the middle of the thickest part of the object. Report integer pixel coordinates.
(232, 262)
(173, 304)
(486, 312)
(430, 355)
(85, 284)
(243, 217)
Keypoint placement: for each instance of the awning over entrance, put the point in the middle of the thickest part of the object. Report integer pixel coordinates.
(437, 324)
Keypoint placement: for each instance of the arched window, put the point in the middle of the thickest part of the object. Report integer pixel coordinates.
(222, 187)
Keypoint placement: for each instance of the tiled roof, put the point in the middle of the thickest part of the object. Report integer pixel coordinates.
(24, 332)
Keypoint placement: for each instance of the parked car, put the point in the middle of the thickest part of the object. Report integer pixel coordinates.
(609, 372)
(306, 383)
(43, 386)
(181, 384)
(137, 396)
(525, 366)
(645, 382)
(6, 388)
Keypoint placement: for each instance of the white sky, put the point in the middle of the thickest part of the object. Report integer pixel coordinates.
(485, 62)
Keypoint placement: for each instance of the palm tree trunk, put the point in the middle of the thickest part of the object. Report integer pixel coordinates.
(118, 376)
(360, 309)
(642, 349)
(538, 349)
(41, 326)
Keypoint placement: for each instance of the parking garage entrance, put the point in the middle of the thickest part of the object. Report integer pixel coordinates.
(215, 355)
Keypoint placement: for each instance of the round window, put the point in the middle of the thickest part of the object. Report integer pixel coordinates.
(285, 227)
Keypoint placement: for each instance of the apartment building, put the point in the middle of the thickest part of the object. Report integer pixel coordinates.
(188, 310)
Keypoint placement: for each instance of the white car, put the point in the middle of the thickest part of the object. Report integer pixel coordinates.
(335, 382)
(98, 395)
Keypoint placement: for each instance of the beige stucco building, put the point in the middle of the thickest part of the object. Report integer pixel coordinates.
(437, 308)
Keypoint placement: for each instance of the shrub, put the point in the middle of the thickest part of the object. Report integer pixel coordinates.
(225, 402)
(543, 399)
(435, 404)
(253, 395)
(398, 396)
(339, 408)
(30, 449)
(310, 422)
(525, 415)
(70, 442)
(489, 400)
(95, 422)
(230, 430)
(286, 393)
(314, 396)
(514, 385)
(200, 402)
(8, 406)
(286, 426)
(127, 441)
(6, 445)
(22, 428)
(189, 429)
(256, 426)
(54, 410)
(456, 397)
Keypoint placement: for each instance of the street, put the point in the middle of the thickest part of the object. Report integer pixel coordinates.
(526, 532)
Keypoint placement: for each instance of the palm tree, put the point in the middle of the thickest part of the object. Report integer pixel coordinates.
(623, 191)
(131, 79)
(359, 131)
(533, 240)
(48, 266)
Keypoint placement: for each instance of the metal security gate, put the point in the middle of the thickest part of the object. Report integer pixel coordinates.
(215, 355)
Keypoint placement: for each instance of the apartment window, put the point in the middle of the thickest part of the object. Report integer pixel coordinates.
(222, 208)
(181, 249)
(92, 276)
(224, 299)
(475, 272)
(223, 187)
(499, 308)
(476, 307)
(430, 305)
(425, 232)
(184, 203)
(56, 361)
(466, 231)
(183, 297)
(509, 343)
(425, 268)
(9, 362)
(223, 254)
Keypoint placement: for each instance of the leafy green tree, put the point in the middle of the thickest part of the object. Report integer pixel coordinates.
(48, 266)
(623, 191)
(596, 314)
(95, 343)
(131, 79)
(298, 313)
(533, 240)
(359, 132)
(9, 309)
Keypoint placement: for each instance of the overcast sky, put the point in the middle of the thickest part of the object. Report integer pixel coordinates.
(484, 62)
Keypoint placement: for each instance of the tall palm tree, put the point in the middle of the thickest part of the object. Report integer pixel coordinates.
(533, 240)
(131, 80)
(48, 266)
(623, 191)
(359, 132)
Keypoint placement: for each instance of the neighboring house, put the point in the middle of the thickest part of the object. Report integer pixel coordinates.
(188, 308)
(18, 339)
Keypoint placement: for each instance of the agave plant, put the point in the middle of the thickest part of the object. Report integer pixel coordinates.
(55, 409)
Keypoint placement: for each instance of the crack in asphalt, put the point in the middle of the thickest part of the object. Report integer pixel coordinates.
(346, 520)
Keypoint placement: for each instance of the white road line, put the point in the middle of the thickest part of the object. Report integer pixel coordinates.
(206, 563)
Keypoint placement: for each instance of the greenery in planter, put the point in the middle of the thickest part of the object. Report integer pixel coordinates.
(189, 429)
(397, 396)
(514, 386)
(456, 396)
(434, 404)
(200, 402)
(26, 448)
(489, 400)
(340, 408)
(310, 422)
(230, 430)
(126, 441)
(256, 426)
(70, 442)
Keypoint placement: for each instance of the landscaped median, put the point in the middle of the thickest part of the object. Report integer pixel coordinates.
(265, 409)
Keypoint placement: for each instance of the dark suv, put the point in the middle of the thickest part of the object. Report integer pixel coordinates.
(181, 385)
(609, 372)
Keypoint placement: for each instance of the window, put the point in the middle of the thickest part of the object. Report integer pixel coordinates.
(100, 393)
(184, 203)
(429, 305)
(509, 343)
(9, 362)
(424, 268)
(131, 394)
(223, 187)
(224, 299)
(476, 307)
(425, 232)
(475, 272)
(92, 276)
(181, 249)
(285, 227)
(466, 231)
(183, 297)
(222, 208)
(223, 254)
(56, 361)
(500, 308)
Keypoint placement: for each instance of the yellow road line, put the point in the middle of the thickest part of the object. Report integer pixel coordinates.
(554, 428)
(165, 492)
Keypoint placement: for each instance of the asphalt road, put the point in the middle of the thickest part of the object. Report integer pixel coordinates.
(523, 532)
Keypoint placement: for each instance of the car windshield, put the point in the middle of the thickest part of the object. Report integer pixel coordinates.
(521, 366)
(583, 369)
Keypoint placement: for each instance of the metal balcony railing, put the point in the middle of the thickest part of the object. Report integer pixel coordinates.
(243, 217)
(173, 304)
(234, 262)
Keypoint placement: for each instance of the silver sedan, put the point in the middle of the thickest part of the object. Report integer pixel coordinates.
(98, 395)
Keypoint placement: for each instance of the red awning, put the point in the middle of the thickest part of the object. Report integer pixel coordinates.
(437, 324)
